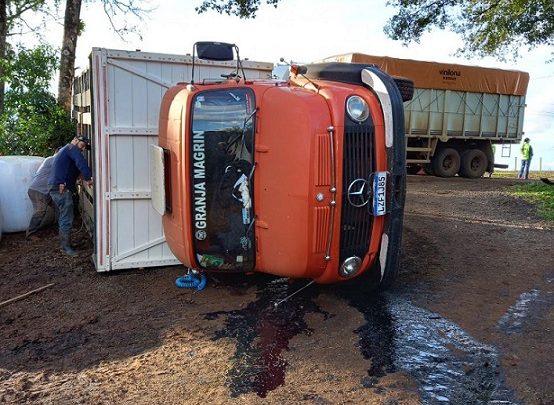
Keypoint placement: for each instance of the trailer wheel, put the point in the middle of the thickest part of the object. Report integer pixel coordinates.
(446, 162)
(429, 169)
(474, 163)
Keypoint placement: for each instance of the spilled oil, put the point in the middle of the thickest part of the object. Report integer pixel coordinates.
(262, 332)
(448, 364)
(531, 306)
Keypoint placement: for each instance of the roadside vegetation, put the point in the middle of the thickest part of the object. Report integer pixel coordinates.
(533, 174)
(540, 194)
(32, 122)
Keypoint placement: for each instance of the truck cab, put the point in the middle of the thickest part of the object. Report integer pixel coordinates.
(303, 178)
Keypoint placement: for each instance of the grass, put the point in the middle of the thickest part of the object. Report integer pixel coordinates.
(512, 174)
(540, 194)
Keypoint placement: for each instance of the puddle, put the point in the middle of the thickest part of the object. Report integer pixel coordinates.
(448, 364)
(262, 333)
(530, 307)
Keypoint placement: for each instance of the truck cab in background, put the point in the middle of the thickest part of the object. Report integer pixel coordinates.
(302, 178)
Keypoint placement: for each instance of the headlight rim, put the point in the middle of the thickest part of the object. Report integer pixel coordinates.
(365, 110)
(352, 260)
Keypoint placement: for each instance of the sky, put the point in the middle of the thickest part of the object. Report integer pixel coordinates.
(310, 30)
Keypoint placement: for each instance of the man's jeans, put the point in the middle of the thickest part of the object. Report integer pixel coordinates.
(64, 202)
(43, 211)
(524, 171)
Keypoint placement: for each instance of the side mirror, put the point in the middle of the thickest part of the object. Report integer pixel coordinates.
(216, 51)
(219, 51)
(298, 69)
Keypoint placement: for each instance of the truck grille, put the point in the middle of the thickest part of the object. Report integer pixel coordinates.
(358, 161)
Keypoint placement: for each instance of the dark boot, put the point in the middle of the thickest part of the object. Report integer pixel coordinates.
(65, 244)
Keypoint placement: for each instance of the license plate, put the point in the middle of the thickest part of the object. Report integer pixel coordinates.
(380, 193)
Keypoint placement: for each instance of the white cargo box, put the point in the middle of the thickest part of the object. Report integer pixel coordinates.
(117, 103)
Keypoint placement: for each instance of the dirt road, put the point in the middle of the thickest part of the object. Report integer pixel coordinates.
(469, 321)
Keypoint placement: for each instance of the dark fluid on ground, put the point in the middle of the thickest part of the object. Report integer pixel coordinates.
(448, 364)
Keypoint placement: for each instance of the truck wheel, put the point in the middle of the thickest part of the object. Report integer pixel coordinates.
(474, 163)
(405, 86)
(446, 162)
(429, 169)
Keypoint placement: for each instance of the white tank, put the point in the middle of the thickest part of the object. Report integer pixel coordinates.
(16, 174)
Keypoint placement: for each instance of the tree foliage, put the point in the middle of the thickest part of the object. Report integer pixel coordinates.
(240, 8)
(121, 14)
(32, 123)
(13, 22)
(128, 12)
(488, 27)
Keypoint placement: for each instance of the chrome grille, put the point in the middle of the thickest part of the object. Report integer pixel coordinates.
(358, 161)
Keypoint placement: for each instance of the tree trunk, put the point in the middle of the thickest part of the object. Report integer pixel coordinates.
(67, 60)
(3, 42)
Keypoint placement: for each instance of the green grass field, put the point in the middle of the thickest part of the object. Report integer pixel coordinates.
(512, 174)
(540, 194)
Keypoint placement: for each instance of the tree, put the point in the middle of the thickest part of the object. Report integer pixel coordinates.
(488, 27)
(67, 59)
(32, 123)
(72, 29)
(12, 22)
(240, 8)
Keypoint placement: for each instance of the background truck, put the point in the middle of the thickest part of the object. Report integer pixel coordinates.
(117, 103)
(457, 114)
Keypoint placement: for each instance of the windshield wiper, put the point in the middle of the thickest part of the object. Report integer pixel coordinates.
(242, 135)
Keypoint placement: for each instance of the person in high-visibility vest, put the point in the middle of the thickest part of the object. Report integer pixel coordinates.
(526, 156)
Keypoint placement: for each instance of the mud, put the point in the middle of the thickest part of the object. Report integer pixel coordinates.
(469, 321)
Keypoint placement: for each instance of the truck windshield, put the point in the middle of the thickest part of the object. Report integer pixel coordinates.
(221, 159)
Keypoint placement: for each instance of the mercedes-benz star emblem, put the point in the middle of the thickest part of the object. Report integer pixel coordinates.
(358, 193)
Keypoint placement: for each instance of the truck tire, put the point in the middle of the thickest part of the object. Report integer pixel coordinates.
(446, 162)
(474, 163)
(405, 86)
(428, 167)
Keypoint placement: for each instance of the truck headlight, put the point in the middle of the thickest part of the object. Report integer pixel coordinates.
(357, 108)
(350, 266)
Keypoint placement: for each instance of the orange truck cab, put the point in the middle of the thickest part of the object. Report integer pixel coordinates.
(302, 178)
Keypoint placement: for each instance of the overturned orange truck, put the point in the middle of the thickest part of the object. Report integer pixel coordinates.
(302, 178)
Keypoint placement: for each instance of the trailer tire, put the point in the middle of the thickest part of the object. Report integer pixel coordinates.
(474, 163)
(446, 162)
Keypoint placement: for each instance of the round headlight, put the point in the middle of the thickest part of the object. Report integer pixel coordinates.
(357, 108)
(350, 266)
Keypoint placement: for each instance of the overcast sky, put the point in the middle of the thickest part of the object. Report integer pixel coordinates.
(310, 30)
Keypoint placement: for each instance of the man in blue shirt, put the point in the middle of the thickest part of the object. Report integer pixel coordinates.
(68, 164)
